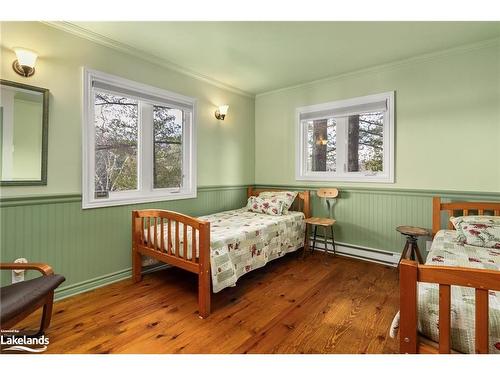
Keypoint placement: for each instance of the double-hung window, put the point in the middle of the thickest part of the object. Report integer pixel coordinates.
(138, 143)
(347, 140)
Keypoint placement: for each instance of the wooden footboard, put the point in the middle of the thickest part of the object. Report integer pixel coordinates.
(410, 273)
(149, 230)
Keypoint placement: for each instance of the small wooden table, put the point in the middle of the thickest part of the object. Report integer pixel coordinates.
(411, 250)
(323, 222)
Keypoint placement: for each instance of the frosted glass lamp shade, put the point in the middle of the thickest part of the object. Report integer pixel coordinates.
(221, 112)
(25, 63)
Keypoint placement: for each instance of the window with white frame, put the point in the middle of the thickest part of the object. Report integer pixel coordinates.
(347, 140)
(138, 142)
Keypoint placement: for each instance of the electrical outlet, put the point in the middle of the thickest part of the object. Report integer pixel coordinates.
(18, 275)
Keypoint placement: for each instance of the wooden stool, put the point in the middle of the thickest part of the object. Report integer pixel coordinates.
(411, 250)
(323, 222)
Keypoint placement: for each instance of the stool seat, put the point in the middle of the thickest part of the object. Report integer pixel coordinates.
(322, 221)
(325, 223)
(412, 231)
(411, 250)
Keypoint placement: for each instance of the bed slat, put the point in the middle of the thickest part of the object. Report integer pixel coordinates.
(497, 212)
(466, 212)
(184, 241)
(481, 321)
(444, 318)
(169, 237)
(155, 240)
(479, 212)
(193, 245)
(149, 231)
(162, 236)
(177, 254)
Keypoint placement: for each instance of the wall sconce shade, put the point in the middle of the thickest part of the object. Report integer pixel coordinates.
(25, 63)
(221, 112)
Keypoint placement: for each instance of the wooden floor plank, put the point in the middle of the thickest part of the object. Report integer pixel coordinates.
(290, 306)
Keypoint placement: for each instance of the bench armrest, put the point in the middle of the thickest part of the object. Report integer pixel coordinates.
(43, 268)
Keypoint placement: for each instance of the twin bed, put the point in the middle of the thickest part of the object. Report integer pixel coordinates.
(452, 303)
(221, 247)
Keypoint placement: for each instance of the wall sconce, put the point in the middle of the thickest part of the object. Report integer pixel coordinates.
(221, 112)
(25, 63)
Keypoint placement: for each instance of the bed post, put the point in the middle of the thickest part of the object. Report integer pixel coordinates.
(307, 213)
(307, 203)
(436, 215)
(204, 271)
(408, 270)
(136, 256)
(249, 191)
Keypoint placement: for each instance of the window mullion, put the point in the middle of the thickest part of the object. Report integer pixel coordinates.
(341, 145)
(145, 157)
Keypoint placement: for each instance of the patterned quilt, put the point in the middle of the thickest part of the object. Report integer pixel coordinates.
(241, 241)
(447, 251)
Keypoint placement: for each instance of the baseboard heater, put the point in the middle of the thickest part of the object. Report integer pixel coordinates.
(364, 253)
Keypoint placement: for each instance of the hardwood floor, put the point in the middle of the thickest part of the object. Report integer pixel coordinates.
(290, 306)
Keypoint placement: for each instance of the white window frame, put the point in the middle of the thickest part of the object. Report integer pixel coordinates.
(145, 191)
(341, 174)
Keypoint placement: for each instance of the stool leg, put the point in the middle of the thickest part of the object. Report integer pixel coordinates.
(404, 253)
(333, 242)
(417, 252)
(314, 238)
(412, 247)
(326, 243)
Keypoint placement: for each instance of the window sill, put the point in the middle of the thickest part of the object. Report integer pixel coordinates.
(97, 203)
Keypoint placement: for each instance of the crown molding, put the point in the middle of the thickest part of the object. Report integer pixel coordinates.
(125, 48)
(393, 65)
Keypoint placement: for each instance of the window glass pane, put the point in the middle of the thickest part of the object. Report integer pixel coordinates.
(116, 125)
(167, 128)
(322, 145)
(365, 146)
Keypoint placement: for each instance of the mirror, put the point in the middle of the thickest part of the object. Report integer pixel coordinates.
(24, 118)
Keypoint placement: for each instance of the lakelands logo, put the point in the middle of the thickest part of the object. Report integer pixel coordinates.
(14, 341)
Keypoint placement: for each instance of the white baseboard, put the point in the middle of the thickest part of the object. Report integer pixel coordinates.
(365, 253)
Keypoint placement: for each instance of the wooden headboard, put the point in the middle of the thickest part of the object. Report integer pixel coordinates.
(462, 208)
(301, 202)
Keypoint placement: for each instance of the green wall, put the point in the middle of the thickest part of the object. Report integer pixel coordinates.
(225, 148)
(447, 120)
(92, 247)
(447, 141)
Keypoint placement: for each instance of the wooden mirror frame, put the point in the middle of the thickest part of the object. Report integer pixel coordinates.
(45, 135)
